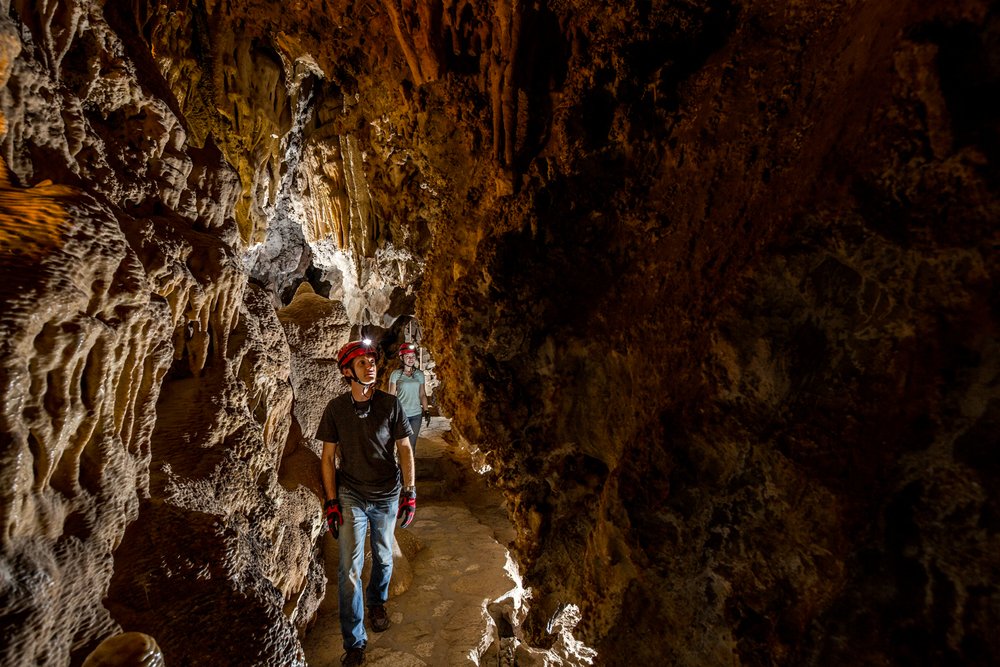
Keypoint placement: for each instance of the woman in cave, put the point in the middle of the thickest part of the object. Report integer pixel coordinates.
(407, 383)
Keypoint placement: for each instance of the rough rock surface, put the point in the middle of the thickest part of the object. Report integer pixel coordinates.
(146, 403)
(315, 328)
(731, 348)
(711, 285)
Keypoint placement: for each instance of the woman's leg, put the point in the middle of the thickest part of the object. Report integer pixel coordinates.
(415, 427)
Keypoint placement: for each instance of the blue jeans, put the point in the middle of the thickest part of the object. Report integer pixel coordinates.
(415, 427)
(359, 514)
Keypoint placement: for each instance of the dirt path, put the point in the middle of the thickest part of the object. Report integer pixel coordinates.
(461, 568)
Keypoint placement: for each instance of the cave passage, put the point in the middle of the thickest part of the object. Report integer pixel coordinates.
(707, 291)
(456, 587)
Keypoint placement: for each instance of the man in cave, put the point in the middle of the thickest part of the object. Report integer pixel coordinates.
(365, 428)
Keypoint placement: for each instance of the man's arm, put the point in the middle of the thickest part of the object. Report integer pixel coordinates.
(406, 461)
(328, 468)
(408, 498)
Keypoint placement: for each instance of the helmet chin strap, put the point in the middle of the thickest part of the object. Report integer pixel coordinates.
(364, 385)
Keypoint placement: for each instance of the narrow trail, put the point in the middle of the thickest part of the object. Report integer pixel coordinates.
(460, 566)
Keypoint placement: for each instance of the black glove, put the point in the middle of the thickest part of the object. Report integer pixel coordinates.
(334, 520)
(407, 507)
(427, 417)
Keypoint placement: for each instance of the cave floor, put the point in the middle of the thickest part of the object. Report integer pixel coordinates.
(461, 567)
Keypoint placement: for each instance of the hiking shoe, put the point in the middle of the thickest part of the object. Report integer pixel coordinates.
(354, 656)
(380, 619)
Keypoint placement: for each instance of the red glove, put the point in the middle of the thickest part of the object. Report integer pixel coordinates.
(407, 507)
(334, 520)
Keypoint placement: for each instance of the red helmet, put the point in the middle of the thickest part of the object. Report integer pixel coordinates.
(407, 348)
(353, 350)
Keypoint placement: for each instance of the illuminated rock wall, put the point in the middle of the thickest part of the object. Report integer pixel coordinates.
(146, 403)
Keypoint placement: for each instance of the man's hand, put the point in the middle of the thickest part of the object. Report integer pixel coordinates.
(427, 416)
(407, 507)
(334, 520)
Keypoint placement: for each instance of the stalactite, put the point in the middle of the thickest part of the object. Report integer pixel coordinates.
(414, 60)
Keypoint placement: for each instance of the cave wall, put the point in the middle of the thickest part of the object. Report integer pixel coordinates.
(147, 401)
(731, 346)
(722, 318)
(710, 284)
(171, 173)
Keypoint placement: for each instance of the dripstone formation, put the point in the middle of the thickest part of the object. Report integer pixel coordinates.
(710, 287)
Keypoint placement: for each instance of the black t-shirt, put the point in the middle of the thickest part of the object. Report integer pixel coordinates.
(368, 464)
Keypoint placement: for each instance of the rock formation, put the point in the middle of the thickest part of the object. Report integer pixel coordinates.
(711, 286)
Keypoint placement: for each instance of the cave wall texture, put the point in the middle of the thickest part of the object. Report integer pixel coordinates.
(710, 284)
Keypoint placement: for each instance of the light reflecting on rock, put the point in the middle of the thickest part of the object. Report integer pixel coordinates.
(131, 649)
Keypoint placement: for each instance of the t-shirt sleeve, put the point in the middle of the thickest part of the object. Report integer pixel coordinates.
(394, 376)
(420, 377)
(400, 424)
(327, 430)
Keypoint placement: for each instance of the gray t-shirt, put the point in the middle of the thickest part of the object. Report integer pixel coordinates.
(408, 390)
(368, 464)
